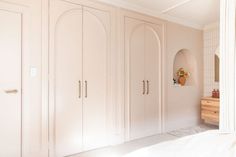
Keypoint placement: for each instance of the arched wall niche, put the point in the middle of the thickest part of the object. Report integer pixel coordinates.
(186, 60)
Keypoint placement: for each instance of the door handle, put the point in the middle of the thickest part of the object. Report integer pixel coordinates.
(79, 89)
(86, 89)
(144, 87)
(147, 87)
(13, 91)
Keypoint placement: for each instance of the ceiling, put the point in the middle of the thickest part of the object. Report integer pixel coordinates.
(193, 13)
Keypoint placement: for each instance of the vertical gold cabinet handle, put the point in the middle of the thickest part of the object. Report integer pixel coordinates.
(86, 89)
(143, 87)
(147, 87)
(79, 89)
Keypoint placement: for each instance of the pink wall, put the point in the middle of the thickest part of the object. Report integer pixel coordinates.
(182, 104)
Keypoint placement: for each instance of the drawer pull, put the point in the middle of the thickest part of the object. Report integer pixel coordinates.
(13, 91)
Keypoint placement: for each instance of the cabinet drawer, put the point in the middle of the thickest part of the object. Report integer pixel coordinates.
(210, 115)
(210, 103)
(210, 108)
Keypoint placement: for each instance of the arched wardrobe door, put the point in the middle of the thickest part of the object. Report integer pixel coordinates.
(152, 75)
(66, 44)
(80, 48)
(143, 105)
(96, 51)
(135, 80)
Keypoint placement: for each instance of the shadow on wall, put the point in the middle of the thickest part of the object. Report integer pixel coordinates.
(186, 60)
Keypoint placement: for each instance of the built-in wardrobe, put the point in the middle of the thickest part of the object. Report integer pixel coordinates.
(80, 75)
(80, 59)
(143, 46)
(83, 64)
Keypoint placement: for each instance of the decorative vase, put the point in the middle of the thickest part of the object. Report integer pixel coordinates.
(182, 80)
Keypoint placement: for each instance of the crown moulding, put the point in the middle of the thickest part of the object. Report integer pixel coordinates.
(152, 12)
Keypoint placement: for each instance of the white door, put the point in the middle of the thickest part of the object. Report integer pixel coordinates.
(96, 48)
(135, 49)
(10, 83)
(67, 26)
(142, 48)
(152, 74)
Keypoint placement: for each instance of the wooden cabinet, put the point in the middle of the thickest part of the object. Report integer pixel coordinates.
(80, 46)
(143, 52)
(210, 110)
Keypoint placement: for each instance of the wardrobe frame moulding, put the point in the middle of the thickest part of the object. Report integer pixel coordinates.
(111, 71)
(125, 61)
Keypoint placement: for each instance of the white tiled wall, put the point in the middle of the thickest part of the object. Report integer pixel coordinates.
(211, 44)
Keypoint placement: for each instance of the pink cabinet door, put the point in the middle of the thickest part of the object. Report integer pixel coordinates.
(10, 82)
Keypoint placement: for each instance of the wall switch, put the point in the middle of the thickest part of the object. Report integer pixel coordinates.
(33, 72)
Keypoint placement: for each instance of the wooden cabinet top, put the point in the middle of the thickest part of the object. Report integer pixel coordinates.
(211, 99)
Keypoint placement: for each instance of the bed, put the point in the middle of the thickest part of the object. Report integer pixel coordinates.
(207, 144)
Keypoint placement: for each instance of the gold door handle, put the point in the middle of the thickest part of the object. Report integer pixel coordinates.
(147, 87)
(143, 87)
(86, 89)
(79, 89)
(13, 91)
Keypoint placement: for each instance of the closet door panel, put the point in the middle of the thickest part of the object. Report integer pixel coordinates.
(68, 79)
(96, 41)
(152, 52)
(134, 36)
(10, 83)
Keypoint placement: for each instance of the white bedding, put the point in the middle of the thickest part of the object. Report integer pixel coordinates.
(207, 144)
